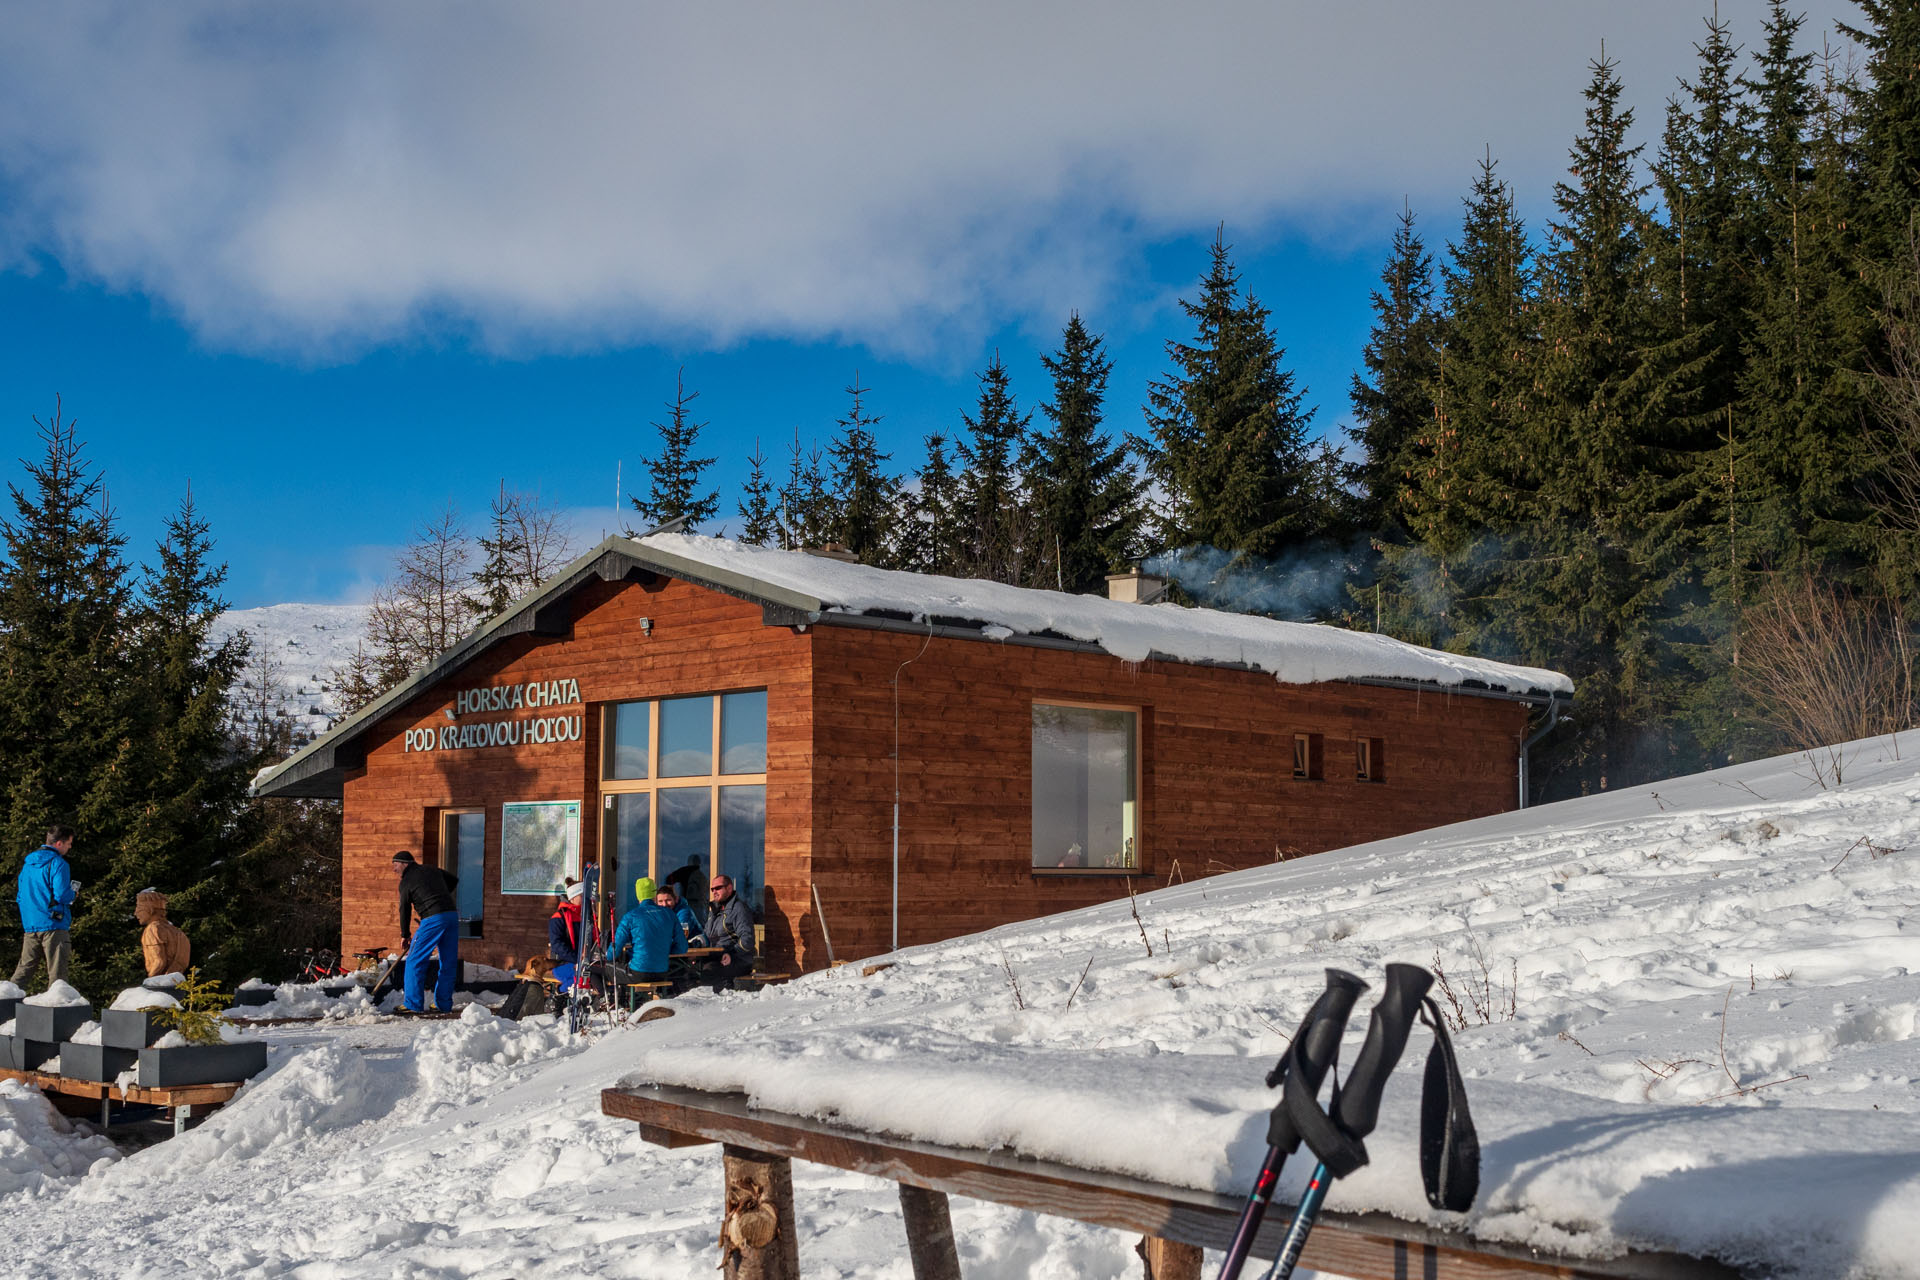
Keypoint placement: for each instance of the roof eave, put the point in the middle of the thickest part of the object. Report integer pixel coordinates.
(317, 771)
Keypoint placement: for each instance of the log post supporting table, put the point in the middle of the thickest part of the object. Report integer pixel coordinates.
(929, 1233)
(757, 1236)
(1170, 1259)
(1178, 1222)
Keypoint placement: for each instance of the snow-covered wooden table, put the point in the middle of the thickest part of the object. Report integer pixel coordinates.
(179, 1101)
(1176, 1223)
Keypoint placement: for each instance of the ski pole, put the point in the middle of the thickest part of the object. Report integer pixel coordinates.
(1314, 1047)
(1356, 1105)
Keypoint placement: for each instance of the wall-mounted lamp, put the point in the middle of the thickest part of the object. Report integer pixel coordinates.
(646, 626)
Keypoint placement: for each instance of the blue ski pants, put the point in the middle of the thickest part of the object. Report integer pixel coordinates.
(440, 934)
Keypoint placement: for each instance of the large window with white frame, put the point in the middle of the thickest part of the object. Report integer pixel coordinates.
(1086, 787)
(683, 784)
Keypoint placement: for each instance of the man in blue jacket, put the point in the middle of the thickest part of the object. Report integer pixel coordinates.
(46, 900)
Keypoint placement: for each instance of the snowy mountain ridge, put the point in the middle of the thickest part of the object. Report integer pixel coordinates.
(298, 651)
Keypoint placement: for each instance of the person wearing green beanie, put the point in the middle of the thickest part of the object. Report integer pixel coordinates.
(648, 938)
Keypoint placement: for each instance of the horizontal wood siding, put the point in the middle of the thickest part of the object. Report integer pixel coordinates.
(701, 642)
(1216, 745)
(1218, 791)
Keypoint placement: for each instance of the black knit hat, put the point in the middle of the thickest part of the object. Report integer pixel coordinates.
(404, 856)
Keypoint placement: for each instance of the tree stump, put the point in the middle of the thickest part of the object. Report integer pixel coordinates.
(757, 1240)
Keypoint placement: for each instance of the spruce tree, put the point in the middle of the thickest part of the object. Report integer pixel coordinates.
(990, 505)
(67, 712)
(1603, 562)
(1701, 254)
(930, 538)
(1798, 464)
(182, 784)
(760, 520)
(503, 550)
(805, 506)
(674, 488)
(1886, 101)
(1229, 443)
(1393, 401)
(864, 495)
(1085, 492)
(1468, 475)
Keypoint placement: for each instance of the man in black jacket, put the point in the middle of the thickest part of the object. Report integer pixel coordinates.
(729, 927)
(429, 892)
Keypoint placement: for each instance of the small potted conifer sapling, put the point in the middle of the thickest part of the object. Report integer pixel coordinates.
(198, 1048)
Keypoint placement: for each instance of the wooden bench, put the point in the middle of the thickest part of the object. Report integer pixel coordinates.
(640, 993)
(760, 1238)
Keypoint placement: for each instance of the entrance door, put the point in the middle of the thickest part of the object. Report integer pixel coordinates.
(463, 851)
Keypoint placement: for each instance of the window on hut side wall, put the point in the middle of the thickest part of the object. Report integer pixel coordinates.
(684, 787)
(1308, 755)
(1086, 812)
(1370, 759)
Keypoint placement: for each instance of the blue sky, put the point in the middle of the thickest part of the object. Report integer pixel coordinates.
(337, 269)
(310, 474)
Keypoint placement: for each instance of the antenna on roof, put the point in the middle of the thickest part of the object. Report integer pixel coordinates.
(670, 526)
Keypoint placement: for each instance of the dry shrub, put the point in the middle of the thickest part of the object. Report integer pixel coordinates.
(1824, 664)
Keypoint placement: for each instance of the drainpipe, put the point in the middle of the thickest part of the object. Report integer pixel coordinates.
(1553, 718)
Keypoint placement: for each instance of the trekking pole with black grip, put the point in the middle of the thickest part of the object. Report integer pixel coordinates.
(1339, 1139)
(1315, 1046)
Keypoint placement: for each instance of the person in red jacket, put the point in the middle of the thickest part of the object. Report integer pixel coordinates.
(563, 933)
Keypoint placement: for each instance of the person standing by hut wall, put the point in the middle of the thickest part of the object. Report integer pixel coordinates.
(428, 892)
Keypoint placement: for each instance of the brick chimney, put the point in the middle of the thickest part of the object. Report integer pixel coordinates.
(832, 551)
(1135, 587)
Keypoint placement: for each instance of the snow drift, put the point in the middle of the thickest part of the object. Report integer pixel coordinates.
(1690, 1015)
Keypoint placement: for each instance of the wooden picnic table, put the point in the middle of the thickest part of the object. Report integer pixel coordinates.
(1176, 1223)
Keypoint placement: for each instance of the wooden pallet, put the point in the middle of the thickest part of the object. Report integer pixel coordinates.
(180, 1101)
(1176, 1223)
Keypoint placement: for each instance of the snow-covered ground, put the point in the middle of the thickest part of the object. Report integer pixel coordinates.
(301, 647)
(1712, 1047)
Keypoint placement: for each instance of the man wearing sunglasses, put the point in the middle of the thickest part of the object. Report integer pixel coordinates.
(729, 927)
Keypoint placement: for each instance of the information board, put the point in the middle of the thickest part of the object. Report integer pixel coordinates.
(539, 845)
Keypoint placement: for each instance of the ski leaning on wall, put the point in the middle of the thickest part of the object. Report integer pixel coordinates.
(589, 952)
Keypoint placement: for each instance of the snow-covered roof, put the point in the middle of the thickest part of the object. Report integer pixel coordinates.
(1293, 652)
(795, 587)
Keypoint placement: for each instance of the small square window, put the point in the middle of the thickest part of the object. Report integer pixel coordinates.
(1308, 756)
(1370, 759)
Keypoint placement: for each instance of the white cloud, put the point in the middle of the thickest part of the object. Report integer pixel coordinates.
(312, 179)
